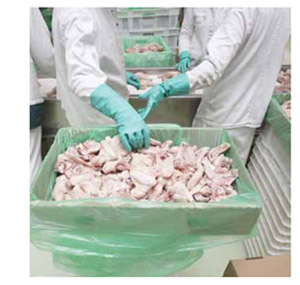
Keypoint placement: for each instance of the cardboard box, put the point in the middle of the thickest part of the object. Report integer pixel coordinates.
(271, 266)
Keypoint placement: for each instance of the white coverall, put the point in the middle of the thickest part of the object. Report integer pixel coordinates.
(239, 71)
(88, 53)
(41, 55)
(198, 26)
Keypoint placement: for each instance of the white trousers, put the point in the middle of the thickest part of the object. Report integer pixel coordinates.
(35, 151)
(242, 137)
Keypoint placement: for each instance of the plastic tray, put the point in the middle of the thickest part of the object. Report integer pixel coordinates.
(271, 184)
(141, 19)
(274, 145)
(274, 169)
(255, 247)
(274, 175)
(269, 207)
(279, 212)
(279, 121)
(269, 237)
(150, 59)
(151, 32)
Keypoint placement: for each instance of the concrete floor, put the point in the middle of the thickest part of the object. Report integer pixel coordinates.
(212, 264)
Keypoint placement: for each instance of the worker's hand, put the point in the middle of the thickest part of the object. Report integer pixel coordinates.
(154, 97)
(133, 80)
(179, 85)
(184, 62)
(134, 133)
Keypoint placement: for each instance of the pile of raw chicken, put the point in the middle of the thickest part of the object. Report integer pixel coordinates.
(153, 47)
(162, 172)
(283, 82)
(149, 80)
(286, 107)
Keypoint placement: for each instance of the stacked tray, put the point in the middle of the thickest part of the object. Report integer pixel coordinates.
(269, 167)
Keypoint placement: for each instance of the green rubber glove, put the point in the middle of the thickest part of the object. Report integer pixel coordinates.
(184, 62)
(178, 85)
(133, 80)
(134, 133)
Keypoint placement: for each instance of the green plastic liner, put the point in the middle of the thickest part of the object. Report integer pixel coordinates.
(279, 120)
(119, 237)
(149, 59)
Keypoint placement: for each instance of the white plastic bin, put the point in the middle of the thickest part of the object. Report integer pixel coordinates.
(140, 19)
(274, 145)
(269, 206)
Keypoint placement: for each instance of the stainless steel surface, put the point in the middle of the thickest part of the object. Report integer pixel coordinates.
(180, 110)
(53, 118)
(174, 110)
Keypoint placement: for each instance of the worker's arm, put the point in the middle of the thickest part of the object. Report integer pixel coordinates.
(222, 48)
(186, 31)
(41, 48)
(86, 79)
(185, 39)
(78, 36)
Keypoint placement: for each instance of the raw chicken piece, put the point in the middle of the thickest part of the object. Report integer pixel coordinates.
(201, 153)
(139, 159)
(163, 172)
(283, 82)
(216, 151)
(220, 177)
(143, 176)
(60, 188)
(199, 198)
(142, 75)
(196, 177)
(154, 142)
(168, 75)
(179, 192)
(92, 147)
(114, 166)
(222, 161)
(153, 47)
(286, 106)
(165, 166)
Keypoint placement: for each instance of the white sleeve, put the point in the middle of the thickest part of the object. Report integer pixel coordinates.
(186, 32)
(79, 36)
(41, 49)
(222, 48)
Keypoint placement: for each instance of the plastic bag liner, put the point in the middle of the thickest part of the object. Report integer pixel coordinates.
(119, 237)
(147, 59)
(279, 120)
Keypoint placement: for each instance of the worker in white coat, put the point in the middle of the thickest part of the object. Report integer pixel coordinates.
(42, 57)
(239, 72)
(197, 28)
(91, 79)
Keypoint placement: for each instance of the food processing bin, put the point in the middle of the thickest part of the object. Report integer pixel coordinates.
(117, 237)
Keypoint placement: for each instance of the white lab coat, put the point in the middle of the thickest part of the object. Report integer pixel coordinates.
(42, 56)
(198, 26)
(240, 70)
(88, 53)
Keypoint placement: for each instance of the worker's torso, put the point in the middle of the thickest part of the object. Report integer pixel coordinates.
(206, 22)
(108, 44)
(242, 95)
(35, 94)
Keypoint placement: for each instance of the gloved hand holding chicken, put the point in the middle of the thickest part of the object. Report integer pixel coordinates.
(133, 80)
(134, 133)
(178, 85)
